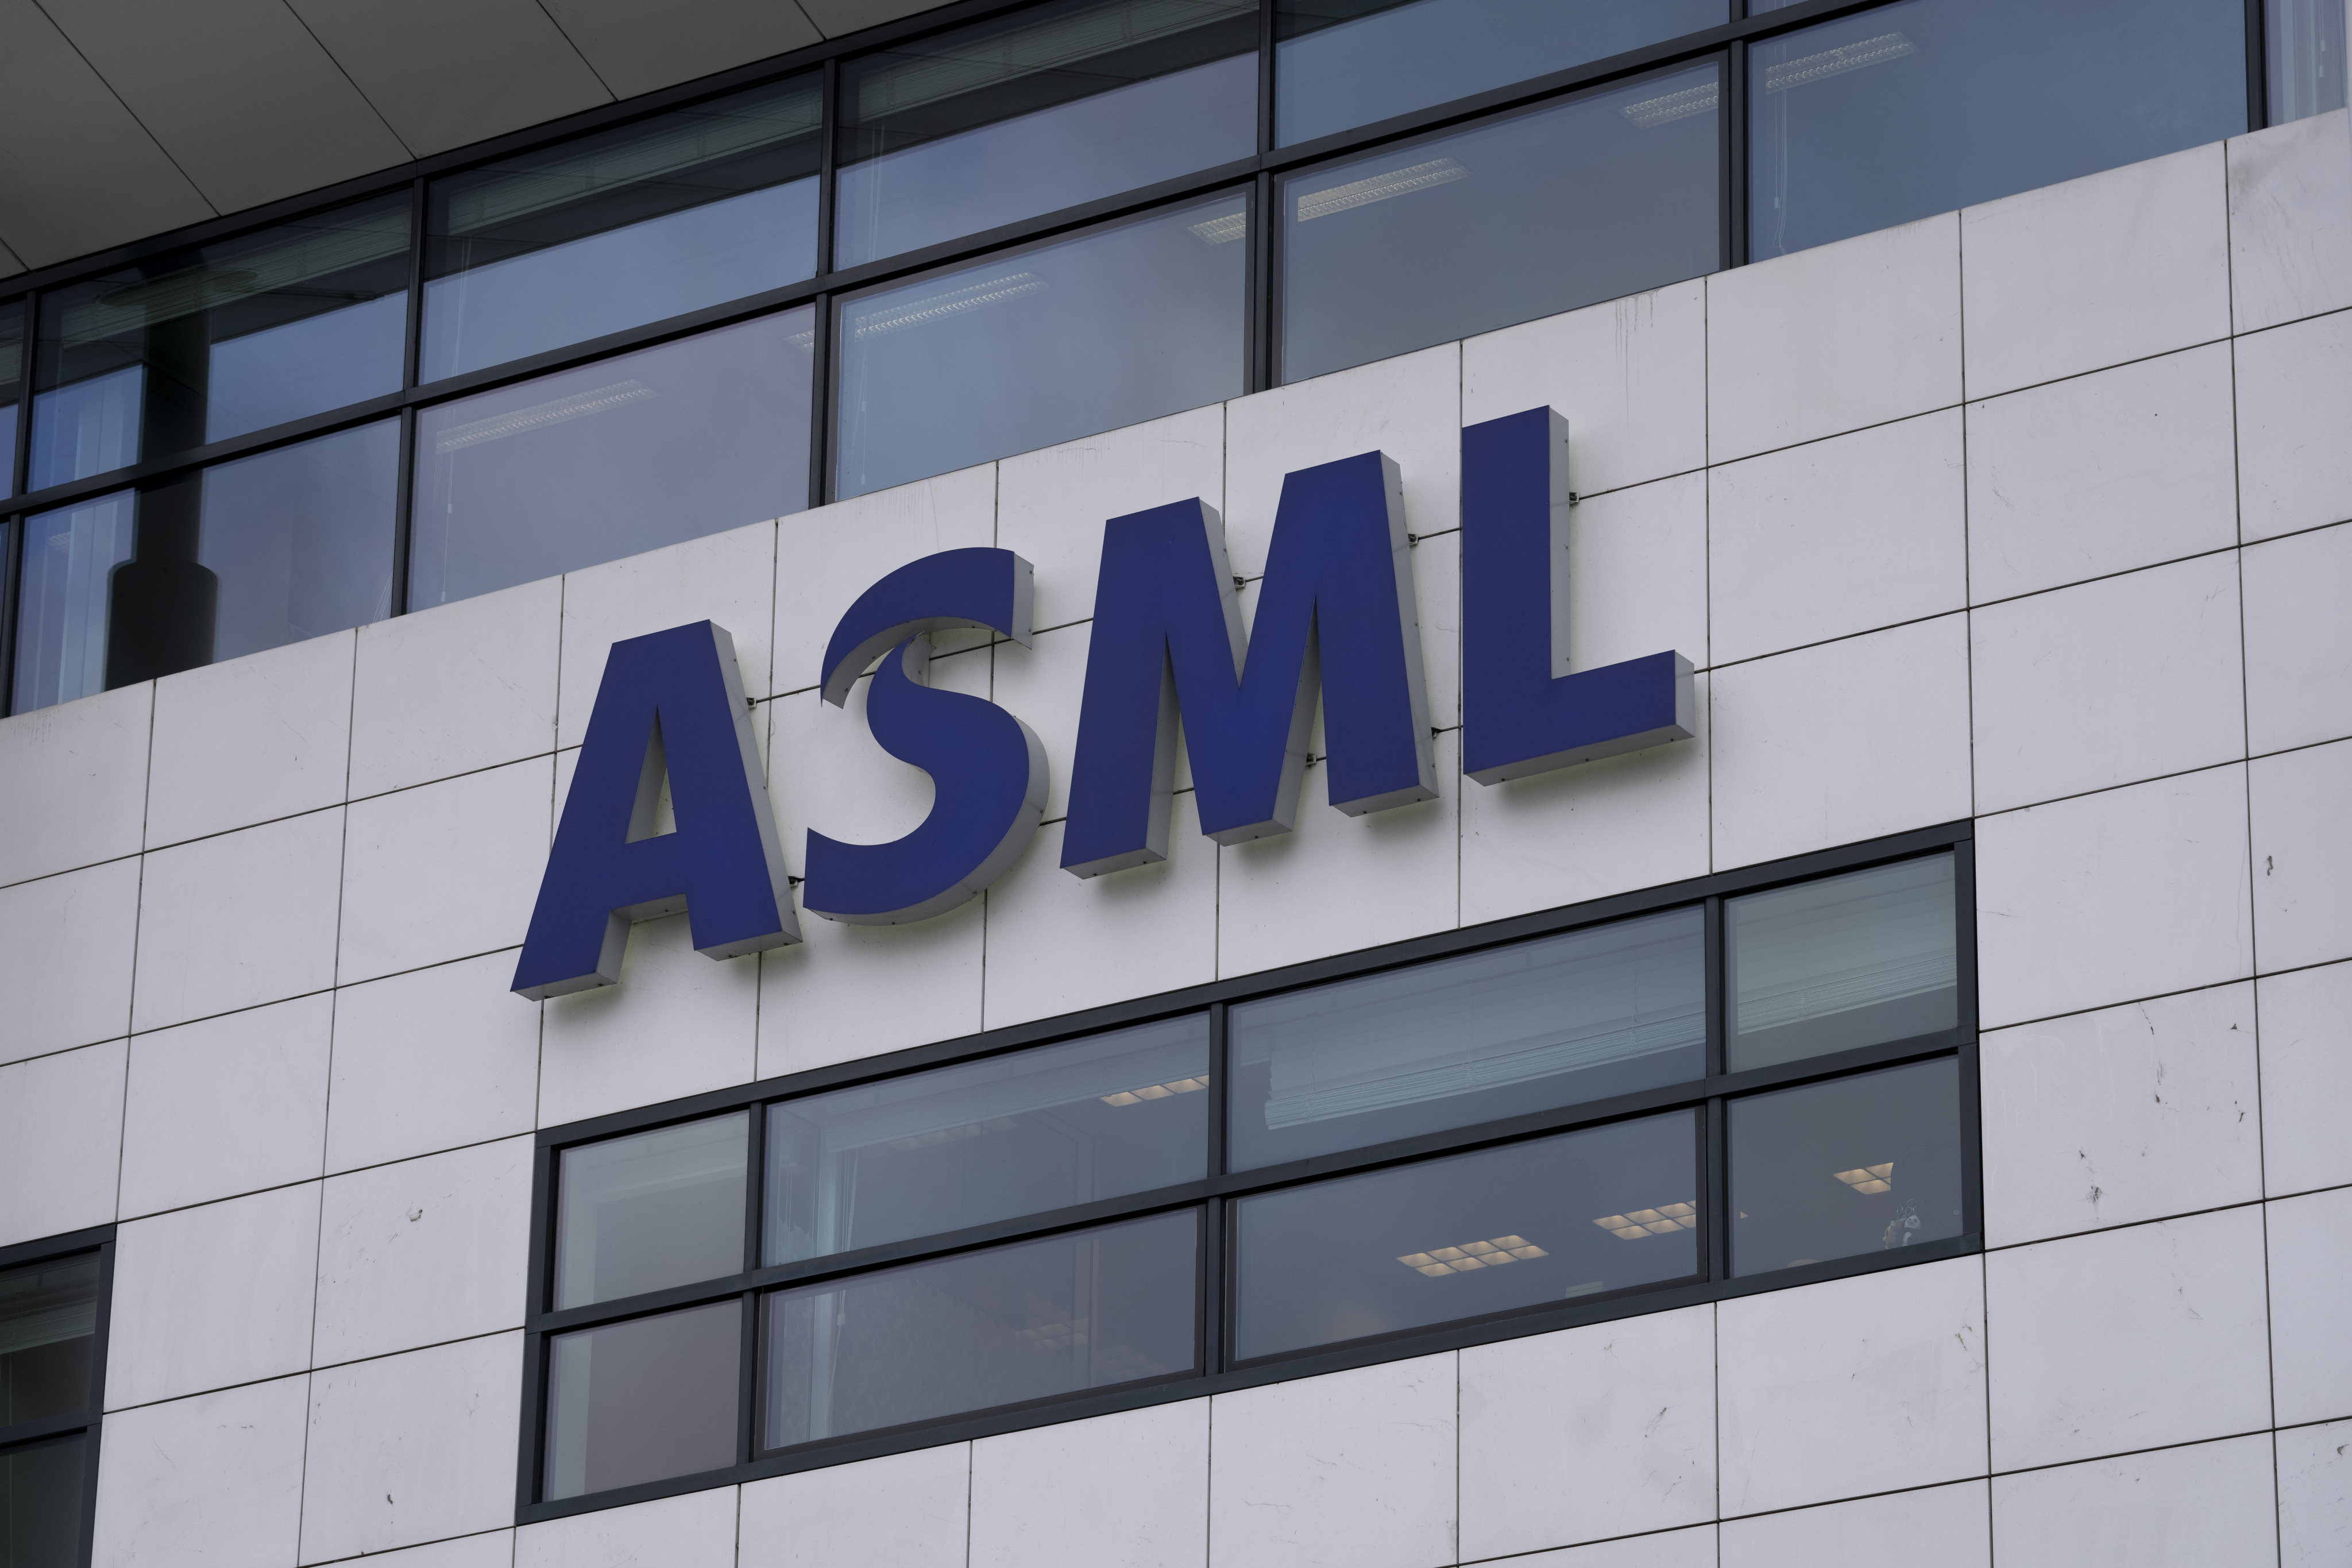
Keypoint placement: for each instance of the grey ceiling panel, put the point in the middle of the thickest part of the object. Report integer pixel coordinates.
(9, 264)
(638, 47)
(237, 91)
(839, 16)
(77, 172)
(447, 73)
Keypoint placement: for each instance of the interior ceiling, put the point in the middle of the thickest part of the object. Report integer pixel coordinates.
(120, 118)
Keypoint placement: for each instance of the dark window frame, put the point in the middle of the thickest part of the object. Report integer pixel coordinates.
(86, 1422)
(1213, 1196)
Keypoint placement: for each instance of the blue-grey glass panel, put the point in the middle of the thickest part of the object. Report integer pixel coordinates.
(1344, 63)
(642, 1400)
(40, 1504)
(1841, 963)
(2303, 45)
(1537, 1024)
(71, 555)
(1927, 105)
(212, 343)
(1111, 327)
(608, 459)
(651, 1210)
(992, 1140)
(1846, 1168)
(48, 1325)
(1055, 105)
(1603, 196)
(12, 390)
(1552, 1219)
(1085, 1309)
(299, 540)
(689, 210)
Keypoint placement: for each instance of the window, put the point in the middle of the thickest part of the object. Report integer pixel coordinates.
(1765, 1080)
(52, 1370)
(12, 390)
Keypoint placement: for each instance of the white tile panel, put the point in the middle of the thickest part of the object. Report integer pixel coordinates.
(60, 1141)
(208, 1296)
(200, 1482)
(1942, 1526)
(2129, 892)
(729, 578)
(2306, 1044)
(2315, 1495)
(1668, 1549)
(230, 1105)
(65, 945)
(908, 1510)
(1637, 581)
(2080, 1325)
(251, 739)
(2311, 1279)
(411, 1448)
(1131, 1489)
(431, 1060)
(2290, 221)
(1630, 376)
(238, 920)
(446, 870)
(678, 1023)
(2100, 473)
(2107, 683)
(2113, 267)
(424, 1251)
(2303, 856)
(1833, 339)
(694, 1531)
(2295, 399)
(2298, 660)
(2196, 1507)
(2132, 1113)
(489, 1548)
(1836, 537)
(1589, 1433)
(455, 688)
(1356, 1470)
(1852, 1386)
(1839, 742)
(76, 778)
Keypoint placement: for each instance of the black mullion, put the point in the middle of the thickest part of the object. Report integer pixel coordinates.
(1215, 1271)
(820, 402)
(531, 1452)
(1715, 1177)
(1734, 145)
(412, 355)
(746, 1388)
(12, 574)
(1265, 272)
(755, 1170)
(2258, 95)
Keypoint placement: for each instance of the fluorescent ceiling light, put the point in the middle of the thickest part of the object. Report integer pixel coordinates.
(1379, 188)
(953, 302)
(1649, 113)
(1664, 1220)
(1869, 1178)
(1808, 68)
(539, 415)
(1224, 230)
(1155, 1092)
(1472, 1255)
(950, 1134)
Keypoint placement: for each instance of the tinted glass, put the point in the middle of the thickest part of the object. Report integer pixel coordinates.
(689, 209)
(642, 1400)
(1546, 1220)
(1603, 196)
(70, 555)
(1053, 106)
(1841, 1169)
(1928, 105)
(1018, 1134)
(12, 390)
(48, 1324)
(651, 1210)
(621, 456)
(1110, 328)
(300, 539)
(1344, 63)
(2304, 43)
(1082, 1311)
(240, 335)
(40, 1504)
(1844, 961)
(1526, 1028)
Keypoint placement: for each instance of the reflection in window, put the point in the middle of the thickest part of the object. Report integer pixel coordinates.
(1592, 199)
(651, 1210)
(2304, 43)
(1055, 105)
(1841, 963)
(642, 1400)
(12, 390)
(40, 1503)
(48, 1328)
(1345, 63)
(992, 1140)
(1927, 105)
(625, 455)
(691, 209)
(1579, 1017)
(1547, 1220)
(238, 336)
(1112, 327)
(1846, 1168)
(1087, 1310)
(70, 555)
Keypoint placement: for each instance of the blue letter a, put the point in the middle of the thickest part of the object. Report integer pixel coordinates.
(670, 704)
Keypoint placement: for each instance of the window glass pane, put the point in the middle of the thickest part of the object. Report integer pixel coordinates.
(1548, 1220)
(1530, 1026)
(1842, 1169)
(1344, 63)
(1603, 196)
(12, 390)
(48, 1323)
(299, 540)
(236, 336)
(1017, 1134)
(642, 1400)
(1087, 1310)
(70, 555)
(1113, 327)
(651, 1210)
(2304, 40)
(40, 1504)
(612, 459)
(689, 210)
(1927, 105)
(1053, 106)
(1857, 959)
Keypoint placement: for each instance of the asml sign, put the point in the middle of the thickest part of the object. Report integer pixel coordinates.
(1336, 613)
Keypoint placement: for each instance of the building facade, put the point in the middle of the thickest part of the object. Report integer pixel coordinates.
(1164, 782)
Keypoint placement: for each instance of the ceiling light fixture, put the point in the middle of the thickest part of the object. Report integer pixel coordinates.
(1648, 113)
(1664, 1220)
(1224, 230)
(1156, 1091)
(1379, 188)
(952, 302)
(1806, 69)
(1473, 1256)
(1869, 1178)
(539, 415)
